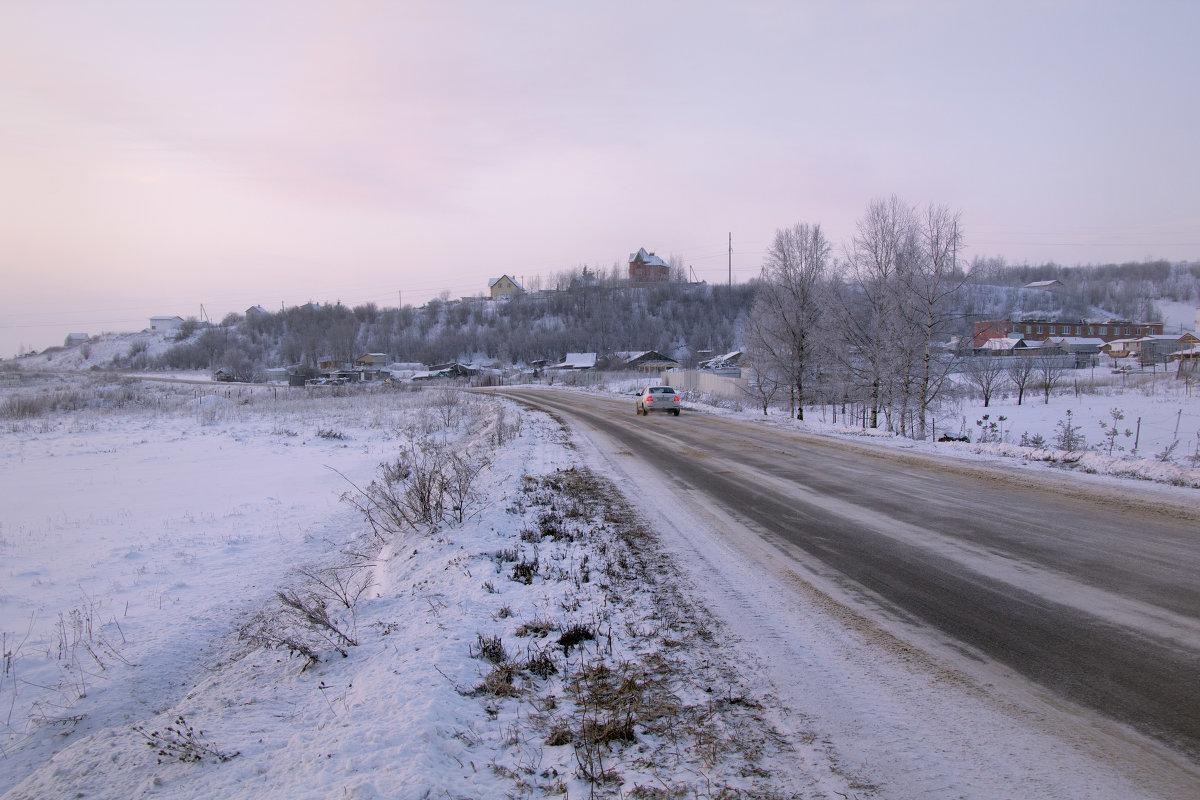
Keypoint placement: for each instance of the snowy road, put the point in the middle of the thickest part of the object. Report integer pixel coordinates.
(1067, 617)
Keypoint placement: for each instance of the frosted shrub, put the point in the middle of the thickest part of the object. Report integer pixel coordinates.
(430, 483)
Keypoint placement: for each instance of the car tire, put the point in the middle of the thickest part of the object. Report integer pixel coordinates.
(675, 411)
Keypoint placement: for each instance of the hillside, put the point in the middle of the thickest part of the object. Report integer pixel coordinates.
(684, 321)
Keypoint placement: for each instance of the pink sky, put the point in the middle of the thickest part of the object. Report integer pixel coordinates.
(159, 156)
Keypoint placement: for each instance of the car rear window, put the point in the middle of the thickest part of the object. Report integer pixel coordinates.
(662, 390)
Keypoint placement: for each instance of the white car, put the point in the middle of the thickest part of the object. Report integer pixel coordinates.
(658, 398)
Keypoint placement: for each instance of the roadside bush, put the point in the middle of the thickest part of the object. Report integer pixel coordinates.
(431, 483)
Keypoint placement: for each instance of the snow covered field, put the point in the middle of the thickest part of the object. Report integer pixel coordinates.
(538, 645)
(149, 530)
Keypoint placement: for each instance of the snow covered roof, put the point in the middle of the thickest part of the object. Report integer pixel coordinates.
(1079, 340)
(577, 361)
(646, 258)
(727, 359)
(1052, 284)
(515, 283)
(1003, 343)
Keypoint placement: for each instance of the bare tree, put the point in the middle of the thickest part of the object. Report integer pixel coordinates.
(1021, 371)
(762, 386)
(782, 330)
(1050, 369)
(869, 307)
(987, 374)
(932, 282)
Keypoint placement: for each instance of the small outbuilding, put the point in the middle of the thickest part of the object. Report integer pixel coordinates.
(166, 324)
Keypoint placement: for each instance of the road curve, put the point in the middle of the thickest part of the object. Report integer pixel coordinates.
(1090, 592)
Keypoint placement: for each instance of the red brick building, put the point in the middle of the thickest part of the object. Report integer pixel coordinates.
(646, 267)
(1036, 330)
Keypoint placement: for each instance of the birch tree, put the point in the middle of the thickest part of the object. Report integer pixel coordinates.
(785, 321)
(933, 282)
(870, 303)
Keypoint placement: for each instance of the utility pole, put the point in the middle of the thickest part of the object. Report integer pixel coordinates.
(731, 258)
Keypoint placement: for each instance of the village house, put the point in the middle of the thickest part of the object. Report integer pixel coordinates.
(504, 287)
(576, 361)
(1001, 346)
(75, 339)
(647, 268)
(646, 361)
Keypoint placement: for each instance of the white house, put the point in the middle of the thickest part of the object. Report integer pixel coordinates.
(164, 324)
(74, 339)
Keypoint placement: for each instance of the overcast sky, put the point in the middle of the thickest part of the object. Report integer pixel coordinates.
(156, 156)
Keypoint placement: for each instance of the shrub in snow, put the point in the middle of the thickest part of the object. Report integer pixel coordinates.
(1068, 437)
(429, 484)
(180, 742)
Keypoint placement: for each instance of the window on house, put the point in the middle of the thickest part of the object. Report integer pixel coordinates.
(1104, 330)
(1052, 327)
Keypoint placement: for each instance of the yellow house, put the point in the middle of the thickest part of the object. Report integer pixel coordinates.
(504, 286)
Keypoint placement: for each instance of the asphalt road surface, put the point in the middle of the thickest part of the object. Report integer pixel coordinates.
(1090, 591)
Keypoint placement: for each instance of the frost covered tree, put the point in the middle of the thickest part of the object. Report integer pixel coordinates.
(985, 373)
(900, 298)
(933, 283)
(869, 303)
(783, 329)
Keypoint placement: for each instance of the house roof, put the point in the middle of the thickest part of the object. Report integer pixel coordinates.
(577, 361)
(494, 281)
(1078, 339)
(646, 355)
(1003, 343)
(731, 359)
(646, 258)
(1051, 284)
